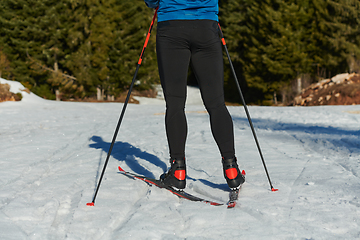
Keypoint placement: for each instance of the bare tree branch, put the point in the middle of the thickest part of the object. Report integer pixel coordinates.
(49, 69)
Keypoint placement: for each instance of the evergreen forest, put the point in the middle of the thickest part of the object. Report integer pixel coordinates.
(78, 47)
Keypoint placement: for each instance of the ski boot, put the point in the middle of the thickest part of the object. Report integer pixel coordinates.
(176, 176)
(232, 173)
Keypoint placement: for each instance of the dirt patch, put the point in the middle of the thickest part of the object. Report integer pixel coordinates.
(353, 112)
(6, 95)
(343, 89)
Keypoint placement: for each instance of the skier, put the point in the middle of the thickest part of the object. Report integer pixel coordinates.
(188, 31)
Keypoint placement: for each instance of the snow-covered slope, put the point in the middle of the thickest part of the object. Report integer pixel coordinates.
(17, 87)
(52, 154)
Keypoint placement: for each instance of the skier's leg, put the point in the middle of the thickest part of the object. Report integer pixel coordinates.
(207, 64)
(173, 61)
(208, 67)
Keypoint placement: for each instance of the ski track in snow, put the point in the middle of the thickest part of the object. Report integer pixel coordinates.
(52, 155)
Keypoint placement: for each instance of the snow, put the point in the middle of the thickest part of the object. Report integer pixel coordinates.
(17, 87)
(52, 154)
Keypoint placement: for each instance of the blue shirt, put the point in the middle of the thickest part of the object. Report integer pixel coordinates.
(185, 9)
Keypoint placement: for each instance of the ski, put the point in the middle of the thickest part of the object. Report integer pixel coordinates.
(234, 195)
(158, 183)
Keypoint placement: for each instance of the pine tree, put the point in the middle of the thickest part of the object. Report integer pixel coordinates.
(333, 33)
(76, 46)
(274, 41)
(253, 32)
(13, 29)
(130, 35)
(5, 69)
(106, 39)
(89, 37)
(33, 35)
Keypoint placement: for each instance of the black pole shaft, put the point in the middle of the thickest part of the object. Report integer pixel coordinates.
(246, 108)
(123, 109)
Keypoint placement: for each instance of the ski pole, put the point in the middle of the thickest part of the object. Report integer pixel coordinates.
(124, 107)
(246, 108)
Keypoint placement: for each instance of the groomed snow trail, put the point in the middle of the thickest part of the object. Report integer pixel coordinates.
(52, 154)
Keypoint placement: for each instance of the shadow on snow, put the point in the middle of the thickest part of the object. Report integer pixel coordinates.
(341, 139)
(127, 153)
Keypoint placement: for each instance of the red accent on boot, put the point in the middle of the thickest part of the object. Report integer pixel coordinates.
(180, 174)
(231, 173)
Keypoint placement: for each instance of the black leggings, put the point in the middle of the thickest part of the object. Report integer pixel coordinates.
(178, 42)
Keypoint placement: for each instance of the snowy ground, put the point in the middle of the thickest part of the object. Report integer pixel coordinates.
(52, 154)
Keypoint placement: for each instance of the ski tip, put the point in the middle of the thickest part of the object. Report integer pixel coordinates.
(90, 204)
(274, 189)
(121, 170)
(243, 172)
(215, 204)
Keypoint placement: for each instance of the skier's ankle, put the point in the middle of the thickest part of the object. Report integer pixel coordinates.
(232, 173)
(176, 176)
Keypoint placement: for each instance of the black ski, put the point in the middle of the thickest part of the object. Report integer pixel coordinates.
(234, 195)
(158, 183)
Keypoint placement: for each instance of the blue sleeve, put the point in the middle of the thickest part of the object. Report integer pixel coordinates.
(152, 3)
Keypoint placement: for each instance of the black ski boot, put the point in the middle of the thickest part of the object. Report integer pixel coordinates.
(232, 173)
(176, 176)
